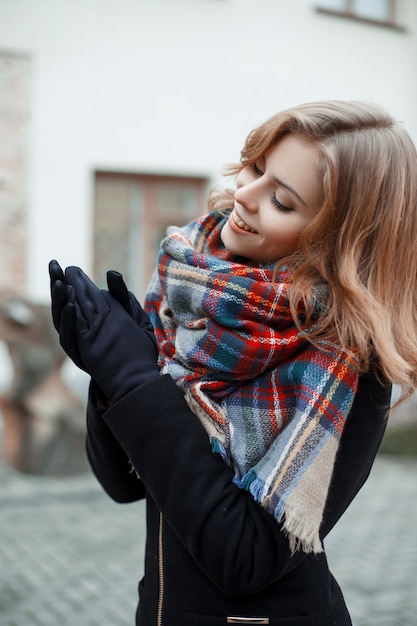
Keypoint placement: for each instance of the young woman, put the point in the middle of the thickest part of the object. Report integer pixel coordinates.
(281, 322)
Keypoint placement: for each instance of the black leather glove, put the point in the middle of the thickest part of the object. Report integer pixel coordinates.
(117, 288)
(117, 353)
(60, 296)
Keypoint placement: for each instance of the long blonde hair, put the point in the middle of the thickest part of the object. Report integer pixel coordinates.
(363, 241)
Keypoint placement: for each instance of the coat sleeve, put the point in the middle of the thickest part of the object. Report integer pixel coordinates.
(109, 462)
(239, 546)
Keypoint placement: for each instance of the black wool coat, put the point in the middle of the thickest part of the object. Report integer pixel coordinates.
(214, 556)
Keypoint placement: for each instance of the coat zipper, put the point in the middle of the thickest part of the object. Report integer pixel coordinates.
(161, 572)
(230, 620)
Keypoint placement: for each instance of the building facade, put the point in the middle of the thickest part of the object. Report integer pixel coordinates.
(116, 116)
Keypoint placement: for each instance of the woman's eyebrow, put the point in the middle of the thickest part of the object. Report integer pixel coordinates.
(290, 189)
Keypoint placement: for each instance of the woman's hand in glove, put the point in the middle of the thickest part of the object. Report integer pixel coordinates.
(96, 330)
(117, 289)
(60, 296)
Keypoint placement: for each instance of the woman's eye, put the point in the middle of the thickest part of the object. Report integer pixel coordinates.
(280, 206)
(257, 170)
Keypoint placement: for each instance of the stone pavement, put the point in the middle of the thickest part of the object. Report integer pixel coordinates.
(71, 556)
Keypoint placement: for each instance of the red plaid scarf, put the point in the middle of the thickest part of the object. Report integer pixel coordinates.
(273, 405)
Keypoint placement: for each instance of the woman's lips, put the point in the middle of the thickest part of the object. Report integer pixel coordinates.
(238, 225)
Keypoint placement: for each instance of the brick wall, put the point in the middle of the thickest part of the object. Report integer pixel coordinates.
(14, 120)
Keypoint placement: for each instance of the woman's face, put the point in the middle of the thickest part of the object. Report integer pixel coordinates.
(275, 199)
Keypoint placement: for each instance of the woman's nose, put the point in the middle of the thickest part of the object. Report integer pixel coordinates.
(248, 196)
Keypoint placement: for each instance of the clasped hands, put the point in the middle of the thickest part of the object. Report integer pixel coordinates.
(105, 333)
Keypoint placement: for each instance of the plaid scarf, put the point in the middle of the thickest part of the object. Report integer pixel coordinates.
(274, 405)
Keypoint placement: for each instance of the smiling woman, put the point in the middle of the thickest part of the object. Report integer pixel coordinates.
(275, 199)
(253, 406)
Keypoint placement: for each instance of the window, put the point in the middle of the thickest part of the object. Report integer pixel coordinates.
(131, 215)
(381, 12)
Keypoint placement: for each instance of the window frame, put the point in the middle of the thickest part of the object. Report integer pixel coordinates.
(141, 225)
(349, 13)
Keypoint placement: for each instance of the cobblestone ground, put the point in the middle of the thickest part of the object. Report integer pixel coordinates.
(71, 556)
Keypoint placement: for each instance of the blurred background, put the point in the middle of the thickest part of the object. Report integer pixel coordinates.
(116, 117)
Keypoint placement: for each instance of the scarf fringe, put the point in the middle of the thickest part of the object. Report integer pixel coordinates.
(302, 532)
(218, 448)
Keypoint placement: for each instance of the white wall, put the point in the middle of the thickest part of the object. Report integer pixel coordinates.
(173, 86)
